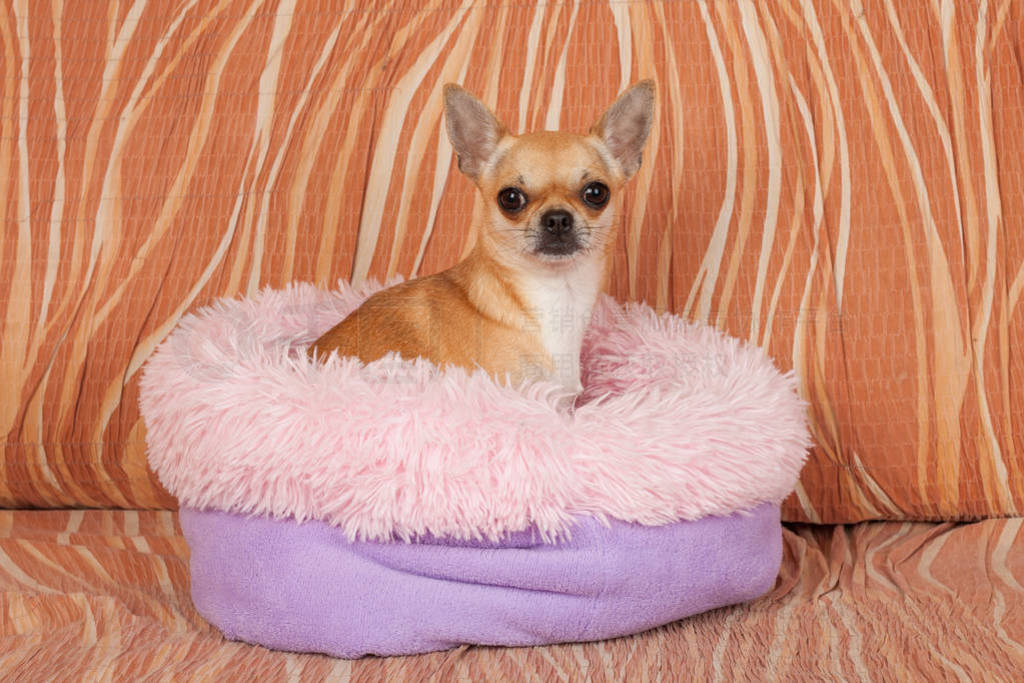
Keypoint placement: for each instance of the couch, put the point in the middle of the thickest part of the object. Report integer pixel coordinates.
(840, 182)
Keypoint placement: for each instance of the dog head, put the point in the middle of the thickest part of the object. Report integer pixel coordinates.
(551, 197)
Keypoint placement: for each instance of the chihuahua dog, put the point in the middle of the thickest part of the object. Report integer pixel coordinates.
(518, 305)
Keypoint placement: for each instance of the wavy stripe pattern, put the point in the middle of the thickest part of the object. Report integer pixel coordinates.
(839, 181)
(103, 595)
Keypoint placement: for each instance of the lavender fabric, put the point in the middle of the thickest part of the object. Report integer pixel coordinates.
(307, 588)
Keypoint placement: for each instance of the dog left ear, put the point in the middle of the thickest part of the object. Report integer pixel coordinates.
(626, 124)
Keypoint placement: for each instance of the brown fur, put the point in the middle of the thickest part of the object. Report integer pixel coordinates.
(437, 318)
(477, 313)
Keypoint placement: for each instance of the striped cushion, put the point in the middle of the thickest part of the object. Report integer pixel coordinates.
(844, 186)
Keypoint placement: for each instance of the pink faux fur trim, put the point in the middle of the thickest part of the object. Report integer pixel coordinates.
(677, 422)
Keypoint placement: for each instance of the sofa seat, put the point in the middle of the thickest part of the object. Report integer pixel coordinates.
(104, 594)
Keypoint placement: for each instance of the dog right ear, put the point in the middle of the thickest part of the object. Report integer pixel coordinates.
(472, 128)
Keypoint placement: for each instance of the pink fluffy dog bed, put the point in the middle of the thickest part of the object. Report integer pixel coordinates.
(395, 508)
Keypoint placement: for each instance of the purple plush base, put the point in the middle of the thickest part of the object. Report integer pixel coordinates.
(306, 588)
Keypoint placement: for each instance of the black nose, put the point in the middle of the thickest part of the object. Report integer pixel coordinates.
(557, 222)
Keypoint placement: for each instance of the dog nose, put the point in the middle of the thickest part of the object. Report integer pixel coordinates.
(557, 221)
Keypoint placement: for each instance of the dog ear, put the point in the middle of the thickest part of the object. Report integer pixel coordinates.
(472, 128)
(626, 124)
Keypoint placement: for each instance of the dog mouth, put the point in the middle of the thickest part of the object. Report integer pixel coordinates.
(558, 247)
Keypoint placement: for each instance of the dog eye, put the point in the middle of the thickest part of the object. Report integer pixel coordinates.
(512, 199)
(595, 195)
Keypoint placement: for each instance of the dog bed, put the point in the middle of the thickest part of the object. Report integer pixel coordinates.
(396, 508)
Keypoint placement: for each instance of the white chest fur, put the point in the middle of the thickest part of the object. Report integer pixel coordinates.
(561, 303)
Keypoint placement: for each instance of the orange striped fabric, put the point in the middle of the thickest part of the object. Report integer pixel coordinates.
(840, 181)
(103, 595)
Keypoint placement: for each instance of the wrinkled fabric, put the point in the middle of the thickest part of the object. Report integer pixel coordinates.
(87, 594)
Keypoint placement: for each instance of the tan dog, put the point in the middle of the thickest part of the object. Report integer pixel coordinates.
(519, 304)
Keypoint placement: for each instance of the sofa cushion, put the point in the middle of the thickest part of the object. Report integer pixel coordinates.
(844, 187)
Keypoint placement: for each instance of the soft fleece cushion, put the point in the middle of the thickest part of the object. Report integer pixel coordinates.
(397, 508)
(307, 587)
(677, 422)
